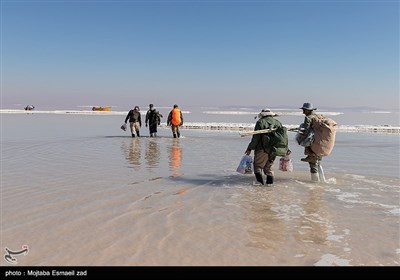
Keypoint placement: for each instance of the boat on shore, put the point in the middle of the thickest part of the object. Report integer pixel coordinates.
(99, 108)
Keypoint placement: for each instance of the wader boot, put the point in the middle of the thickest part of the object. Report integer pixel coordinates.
(259, 178)
(270, 180)
(315, 177)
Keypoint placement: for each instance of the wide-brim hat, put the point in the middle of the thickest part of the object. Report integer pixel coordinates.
(308, 106)
(266, 112)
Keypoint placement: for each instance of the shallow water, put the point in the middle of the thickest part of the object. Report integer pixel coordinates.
(79, 191)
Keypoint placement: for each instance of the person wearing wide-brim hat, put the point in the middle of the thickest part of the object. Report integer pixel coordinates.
(264, 150)
(306, 128)
(266, 112)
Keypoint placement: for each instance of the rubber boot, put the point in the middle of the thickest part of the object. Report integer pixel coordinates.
(138, 133)
(179, 134)
(314, 177)
(259, 178)
(133, 135)
(151, 134)
(174, 135)
(270, 180)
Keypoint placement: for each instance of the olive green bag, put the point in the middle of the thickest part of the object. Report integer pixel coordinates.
(276, 142)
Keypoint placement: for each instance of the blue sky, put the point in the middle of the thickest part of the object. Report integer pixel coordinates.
(61, 54)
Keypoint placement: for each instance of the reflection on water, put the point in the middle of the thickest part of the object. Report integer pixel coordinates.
(175, 158)
(152, 155)
(134, 153)
(134, 149)
(313, 224)
(267, 229)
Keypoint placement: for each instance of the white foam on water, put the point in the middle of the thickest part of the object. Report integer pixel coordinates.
(395, 212)
(346, 197)
(331, 260)
(331, 181)
(333, 190)
(288, 212)
(334, 237)
(277, 111)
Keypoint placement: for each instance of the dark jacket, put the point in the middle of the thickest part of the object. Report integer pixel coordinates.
(153, 117)
(134, 116)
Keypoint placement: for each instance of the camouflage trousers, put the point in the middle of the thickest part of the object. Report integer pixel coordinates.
(313, 159)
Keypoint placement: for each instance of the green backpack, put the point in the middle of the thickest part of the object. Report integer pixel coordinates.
(277, 142)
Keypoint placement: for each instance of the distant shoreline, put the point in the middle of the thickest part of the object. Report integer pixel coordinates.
(221, 126)
(250, 126)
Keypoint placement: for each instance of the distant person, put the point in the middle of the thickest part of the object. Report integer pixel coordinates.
(153, 119)
(175, 119)
(304, 132)
(135, 121)
(267, 146)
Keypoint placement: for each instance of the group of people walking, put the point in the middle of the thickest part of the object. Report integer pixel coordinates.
(267, 146)
(153, 120)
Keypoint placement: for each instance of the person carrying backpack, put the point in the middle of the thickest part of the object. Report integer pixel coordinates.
(317, 135)
(267, 146)
(153, 118)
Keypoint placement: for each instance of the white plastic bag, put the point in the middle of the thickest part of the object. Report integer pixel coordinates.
(286, 164)
(123, 127)
(245, 165)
